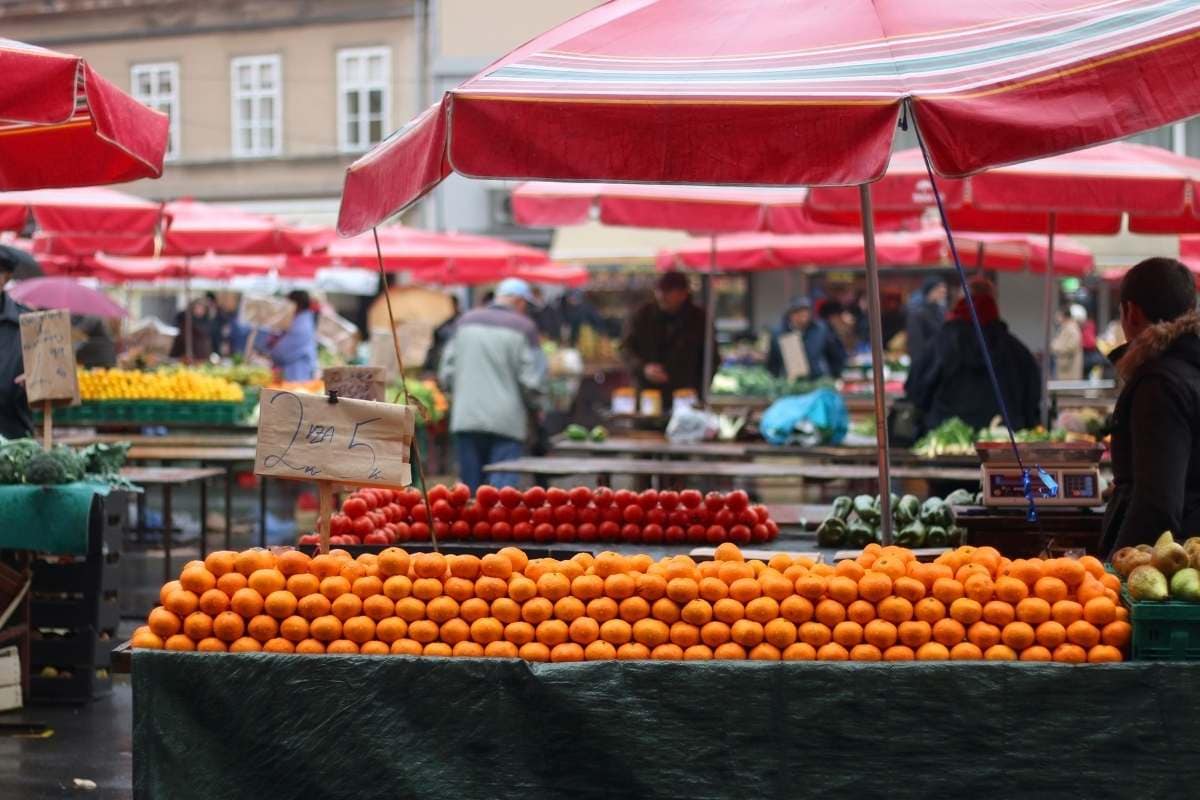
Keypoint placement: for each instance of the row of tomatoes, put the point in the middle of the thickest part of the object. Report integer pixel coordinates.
(581, 514)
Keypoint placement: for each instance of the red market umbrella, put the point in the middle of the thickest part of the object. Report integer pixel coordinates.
(410, 249)
(554, 274)
(118, 269)
(64, 293)
(796, 92)
(62, 124)
(196, 228)
(83, 220)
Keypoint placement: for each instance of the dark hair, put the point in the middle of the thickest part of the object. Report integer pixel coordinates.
(300, 298)
(830, 308)
(673, 280)
(1163, 288)
(8, 263)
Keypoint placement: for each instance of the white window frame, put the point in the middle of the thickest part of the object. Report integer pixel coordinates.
(363, 87)
(168, 102)
(256, 124)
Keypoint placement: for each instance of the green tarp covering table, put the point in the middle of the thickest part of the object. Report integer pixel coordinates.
(280, 726)
(49, 519)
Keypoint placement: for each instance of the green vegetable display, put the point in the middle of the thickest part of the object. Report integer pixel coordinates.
(742, 381)
(856, 521)
(576, 433)
(956, 438)
(842, 508)
(24, 461)
(832, 532)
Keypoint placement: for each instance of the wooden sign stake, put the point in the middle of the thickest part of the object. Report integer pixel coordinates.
(249, 344)
(325, 489)
(47, 424)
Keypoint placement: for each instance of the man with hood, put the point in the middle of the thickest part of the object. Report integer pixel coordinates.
(16, 421)
(1156, 422)
(926, 314)
(824, 351)
(951, 379)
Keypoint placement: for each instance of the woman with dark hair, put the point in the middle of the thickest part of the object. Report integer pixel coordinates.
(294, 354)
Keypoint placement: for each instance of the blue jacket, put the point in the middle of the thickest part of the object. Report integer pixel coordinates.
(295, 353)
(826, 355)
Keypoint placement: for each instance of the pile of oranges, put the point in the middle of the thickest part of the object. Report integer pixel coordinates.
(971, 603)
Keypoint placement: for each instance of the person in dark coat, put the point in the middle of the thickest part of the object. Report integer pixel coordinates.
(200, 329)
(951, 380)
(663, 346)
(825, 353)
(926, 313)
(16, 421)
(1156, 422)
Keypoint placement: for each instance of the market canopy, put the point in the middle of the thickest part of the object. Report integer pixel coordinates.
(411, 249)
(62, 124)
(122, 269)
(197, 228)
(793, 92)
(83, 220)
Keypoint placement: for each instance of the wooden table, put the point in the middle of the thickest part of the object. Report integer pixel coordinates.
(170, 440)
(168, 478)
(652, 447)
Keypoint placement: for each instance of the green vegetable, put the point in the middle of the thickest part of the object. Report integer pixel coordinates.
(599, 433)
(937, 537)
(576, 433)
(832, 533)
(931, 511)
(952, 437)
(859, 535)
(842, 507)
(46, 470)
(912, 535)
(866, 509)
(907, 509)
(104, 459)
(956, 536)
(960, 497)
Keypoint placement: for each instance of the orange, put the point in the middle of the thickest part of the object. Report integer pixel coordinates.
(334, 587)
(930, 610)
(616, 631)
(567, 608)
(292, 562)
(713, 589)
(697, 612)
(423, 631)
(967, 570)
(346, 606)
(1018, 635)
(520, 588)
(664, 609)
(398, 587)
(632, 609)
(489, 629)
(534, 651)
(181, 602)
(1084, 634)
(794, 609)
(213, 602)
(1100, 611)
(746, 632)
(947, 590)
(800, 651)
(765, 609)
(280, 604)
(1050, 589)
(601, 650)
(359, 629)
(1089, 589)
(617, 586)
(898, 652)
(842, 589)
(1034, 610)
(163, 623)
(1010, 590)
(728, 551)
(682, 590)
(779, 588)
(1050, 634)
(583, 630)
(367, 586)
(979, 588)
(303, 584)
(779, 632)
(684, 634)
(534, 611)
(371, 648)
(466, 649)
(585, 587)
(1067, 570)
(880, 633)
(347, 647)
(933, 651)
(895, 609)
(633, 651)
(228, 626)
(211, 645)
(508, 610)
(697, 652)
(424, 588)
(265, 581)
(262, 628)
(1116, 634)
(247, 561)
(246, 602)
(1069, 654)
(502, 650)
(730, 571)
(872, 587)
(914, 633)
(1028, 571)
(519, 632)
(983, 635)
(1110, 581)
(393, 561)
(1103, 653)
(680, 567)
(860, 611)
(325, 629)
(326, 565)
(551, 632)
(1036, 653)
(494, 565)
(404, 647)
(998, 613)
(198, 625)
(965, 651)
(245, 645)
(966, 611)
(1000, 652)
(948, 632)
(849, 568)
(167, 588)
(832, 652)
(865, 652)
(667, 652)
(910, 589)
(219, 562)
(602, 609)
(746, 589)
(516, 556)
(197, 579)
(429, 565)
(764, 652)
(410, 609)
(889, 565)
(847, 634)
(729, 610)
(716, 633)
(390, 629)
(813, 633)
(652, 587)
(378, 607)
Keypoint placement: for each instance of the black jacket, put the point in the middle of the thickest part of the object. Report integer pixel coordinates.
(825, 353)
(922, 327)
(674, 340)
(1156, 437)
(15, 420)
(950, 379)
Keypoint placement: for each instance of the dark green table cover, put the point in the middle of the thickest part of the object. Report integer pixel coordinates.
(281, 726)
(49, 519)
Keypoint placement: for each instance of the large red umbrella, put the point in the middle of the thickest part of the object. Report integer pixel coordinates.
(83, 220)
(406, 249)
(62, 124)
(550, 273)
(196, 228)
(796, 92)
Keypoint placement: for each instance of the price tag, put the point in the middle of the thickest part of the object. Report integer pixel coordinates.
(356, 383)
(49, 357)
(269, 313)
(350, 442)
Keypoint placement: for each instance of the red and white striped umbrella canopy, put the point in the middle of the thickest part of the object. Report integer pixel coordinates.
(794, 92)
(62, 124)
(84, 220)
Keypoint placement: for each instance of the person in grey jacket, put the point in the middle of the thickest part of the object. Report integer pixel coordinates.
(495, 371)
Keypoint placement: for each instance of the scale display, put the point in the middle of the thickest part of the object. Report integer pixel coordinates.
(1076, 487)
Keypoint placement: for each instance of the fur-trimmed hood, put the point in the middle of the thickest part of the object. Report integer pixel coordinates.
(1154, 342)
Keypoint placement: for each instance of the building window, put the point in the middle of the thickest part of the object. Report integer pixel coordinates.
(257, 106)
(364, 97)
(157, 86)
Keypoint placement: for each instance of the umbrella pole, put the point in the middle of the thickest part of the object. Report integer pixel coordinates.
(1047, 317)
(187, 313)
(881, 432)
(710, 321)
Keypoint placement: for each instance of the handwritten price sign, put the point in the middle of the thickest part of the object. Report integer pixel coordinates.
(49, 357)
(352, 442)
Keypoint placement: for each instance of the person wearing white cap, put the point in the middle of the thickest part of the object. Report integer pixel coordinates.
(495, 370)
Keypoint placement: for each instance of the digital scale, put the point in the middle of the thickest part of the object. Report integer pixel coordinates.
(1073, 470)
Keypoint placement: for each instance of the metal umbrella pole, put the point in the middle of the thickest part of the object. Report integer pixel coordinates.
(1047, 318)
(710, 320)
(881, 432)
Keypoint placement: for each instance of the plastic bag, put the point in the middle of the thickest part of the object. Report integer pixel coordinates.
(818, 417)
(690, 424)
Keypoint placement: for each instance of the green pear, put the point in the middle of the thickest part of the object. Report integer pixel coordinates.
(1147, 583)
(1185, 584)
(1169, 556)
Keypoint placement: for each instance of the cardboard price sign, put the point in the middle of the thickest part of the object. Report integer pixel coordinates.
(270, 313)
(49, 357)
(351, 442)
(356, 383)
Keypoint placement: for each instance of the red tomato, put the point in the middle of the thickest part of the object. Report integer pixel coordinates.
(747, 517)
(700, 516)
(668, 500)
(460, 495)
(715, 534)
(679, 518)
(656, 516)
(631, 533)
(497, 514)
(535, 496)
(402, 532)
(420, 513)
(565, 533)
(556, 496)
(378, 517)
(648, 499)
(510, 497)
(487, 495)
(690, 498)
(376, 537)
(371, 499)
(519, 514)
(587, 532)
(395, 512)
(608, 531)
(564, 515)
(762, 513)
(418, 532)
(460, 530)
(354, 507)
(633, 514)
(310, 538)
(758, 533)
(737, 500)
(714, 501)
(522, 532)
(442, 529)
(472, 514)
(409, 498)
(362, 526)
(652, 534)
(674, 535)
(588, 515)
(772, 530)
(739, 534)
(696, 534)
(481, 531)
(442, 510)
(611, 514)
(724, 518)
(580, 496)
(542, 515)
(624, 497)
(602, 497)
(502, 532)
(439, 492)
(543, 533)
(339, 524)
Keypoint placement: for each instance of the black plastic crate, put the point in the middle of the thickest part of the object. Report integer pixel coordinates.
(80, 648)
(97, 575)
(76, 613)
(81, 686)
